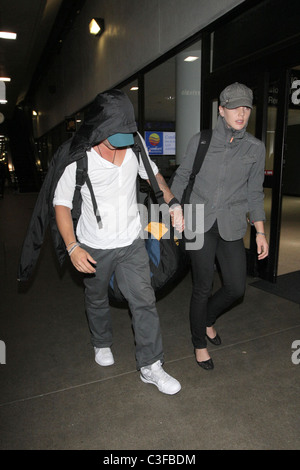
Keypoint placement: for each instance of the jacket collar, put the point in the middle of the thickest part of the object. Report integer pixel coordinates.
(227, 133)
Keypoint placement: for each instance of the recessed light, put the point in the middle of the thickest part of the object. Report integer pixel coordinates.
(6, 35)
(191, 58)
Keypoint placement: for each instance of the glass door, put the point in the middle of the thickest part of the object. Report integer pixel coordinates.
(282, 174)
(289, 243)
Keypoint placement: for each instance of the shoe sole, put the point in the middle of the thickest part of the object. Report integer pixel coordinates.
(153, 383)
(104, 365)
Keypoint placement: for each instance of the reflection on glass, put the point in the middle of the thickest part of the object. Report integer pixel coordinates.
(131, 91)
(271, 126)
(160, 99)
(187, 98)
(172, 107)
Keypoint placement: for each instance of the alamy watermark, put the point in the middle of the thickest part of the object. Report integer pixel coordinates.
(296, 354)
(118, 220)
(2, 352)
(193, 220)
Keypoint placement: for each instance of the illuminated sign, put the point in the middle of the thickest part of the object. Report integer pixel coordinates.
(160, 143)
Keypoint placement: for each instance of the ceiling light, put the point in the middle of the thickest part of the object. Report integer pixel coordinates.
(96, 26)
(3, 93)
(191, 58)
(6, 35)
(5, 79)
(134, 88)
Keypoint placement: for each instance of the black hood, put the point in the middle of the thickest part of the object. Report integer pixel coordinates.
(110, 112)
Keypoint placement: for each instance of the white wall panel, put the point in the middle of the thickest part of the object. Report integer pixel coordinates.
(137, 32)
(182, 18)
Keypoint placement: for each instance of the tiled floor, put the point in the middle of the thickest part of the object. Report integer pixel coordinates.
(54, 395)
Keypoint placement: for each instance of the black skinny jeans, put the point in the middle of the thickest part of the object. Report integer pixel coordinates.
(204, 307)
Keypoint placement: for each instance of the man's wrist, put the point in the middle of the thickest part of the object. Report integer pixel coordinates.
(73, 247)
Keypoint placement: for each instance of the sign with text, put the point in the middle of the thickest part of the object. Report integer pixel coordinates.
(295, 90)
(160, 143)
(294, 100)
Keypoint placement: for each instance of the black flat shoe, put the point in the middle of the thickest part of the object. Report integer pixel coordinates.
(207, 365)
(216, 340)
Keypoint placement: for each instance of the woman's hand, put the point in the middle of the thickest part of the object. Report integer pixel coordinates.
(262, 246)
(177, 218)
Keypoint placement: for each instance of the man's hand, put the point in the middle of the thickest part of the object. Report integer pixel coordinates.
(83, 261)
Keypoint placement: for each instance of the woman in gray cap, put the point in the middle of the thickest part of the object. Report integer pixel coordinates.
(230, 186)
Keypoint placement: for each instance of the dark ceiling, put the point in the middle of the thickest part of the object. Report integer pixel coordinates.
(41, 26)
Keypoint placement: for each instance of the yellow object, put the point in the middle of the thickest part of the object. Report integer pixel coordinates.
(157, 229)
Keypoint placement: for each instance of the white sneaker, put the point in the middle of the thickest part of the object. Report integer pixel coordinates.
(104, 357)
(155, 374)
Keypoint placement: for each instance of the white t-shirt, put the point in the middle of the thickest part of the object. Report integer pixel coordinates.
(115, 192)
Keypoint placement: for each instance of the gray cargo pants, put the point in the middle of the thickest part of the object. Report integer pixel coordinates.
(131, 267)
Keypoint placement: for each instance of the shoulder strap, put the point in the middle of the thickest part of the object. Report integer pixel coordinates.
(204, 142)
(81, 172)
(139, 149)
(95, 207)
(81, 178)
(205, 138)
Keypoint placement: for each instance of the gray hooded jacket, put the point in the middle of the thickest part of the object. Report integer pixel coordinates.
(230, 182)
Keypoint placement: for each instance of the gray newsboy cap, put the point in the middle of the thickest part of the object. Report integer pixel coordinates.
(236, 95)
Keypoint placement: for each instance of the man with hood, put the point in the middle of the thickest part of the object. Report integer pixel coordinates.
(113, 246)
(230, 186)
